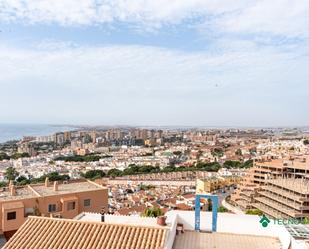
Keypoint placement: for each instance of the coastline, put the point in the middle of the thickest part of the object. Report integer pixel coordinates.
(9, 132)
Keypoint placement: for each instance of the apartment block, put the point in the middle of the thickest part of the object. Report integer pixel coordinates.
(278, 187)
(64, 200)
(285, 197)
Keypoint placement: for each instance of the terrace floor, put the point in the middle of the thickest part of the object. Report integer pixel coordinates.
(197, 240)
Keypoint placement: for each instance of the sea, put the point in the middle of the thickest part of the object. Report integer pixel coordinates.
(10, 132)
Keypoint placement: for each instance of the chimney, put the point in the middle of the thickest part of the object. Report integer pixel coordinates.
(102, 214)
(46, 182)
(55, 186)
(13, 190)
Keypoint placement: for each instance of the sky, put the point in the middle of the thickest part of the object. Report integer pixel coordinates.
(146, 62)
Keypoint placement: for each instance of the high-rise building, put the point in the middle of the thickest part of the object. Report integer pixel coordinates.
(67, 136)
(59, 138)
(26, 147)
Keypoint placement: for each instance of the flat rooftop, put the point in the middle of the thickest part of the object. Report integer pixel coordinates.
(21, 193)
(32, 191)
(72, 187)
(196, 240)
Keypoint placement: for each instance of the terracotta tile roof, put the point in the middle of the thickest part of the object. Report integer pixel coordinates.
(182, 206)
(42, 232)
(189, 196)
(134, 209)
(171, 200)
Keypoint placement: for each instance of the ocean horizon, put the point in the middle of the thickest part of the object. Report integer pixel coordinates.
(10, 132)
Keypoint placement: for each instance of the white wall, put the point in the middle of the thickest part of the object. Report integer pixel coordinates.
(119, 219)
(172, 222)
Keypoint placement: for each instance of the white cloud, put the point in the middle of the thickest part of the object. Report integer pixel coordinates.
(71, 12)
(279, 17)
(112, 84)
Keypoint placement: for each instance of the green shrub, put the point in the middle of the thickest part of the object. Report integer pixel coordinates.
(222, 209)
(152, 212)
(254, 212)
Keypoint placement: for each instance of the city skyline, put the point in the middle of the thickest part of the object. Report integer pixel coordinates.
(186, 63)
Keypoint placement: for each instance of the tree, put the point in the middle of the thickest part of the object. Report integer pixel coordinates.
(238, 152)
(2, 184)
(114, 172)
(306, 142)
(11, 173)
(182, 168)
(4, 156)
(94, 174)
(232, 164)
(20, 155)
(22, 180)
(247, 164)
(217, 152)
(169, 169)
(53, 176)
(152, 212)
(78, 158)
(211, 167)
(209, 201)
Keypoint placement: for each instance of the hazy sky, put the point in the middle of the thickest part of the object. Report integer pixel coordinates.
(155, 62)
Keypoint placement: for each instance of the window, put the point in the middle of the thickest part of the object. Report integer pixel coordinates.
(87, 203)
(71, 205)
(51, 208)
(11, 216)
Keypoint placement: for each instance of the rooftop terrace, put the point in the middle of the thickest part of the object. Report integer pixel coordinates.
(197, 240)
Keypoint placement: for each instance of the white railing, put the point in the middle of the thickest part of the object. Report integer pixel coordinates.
(134, 220)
